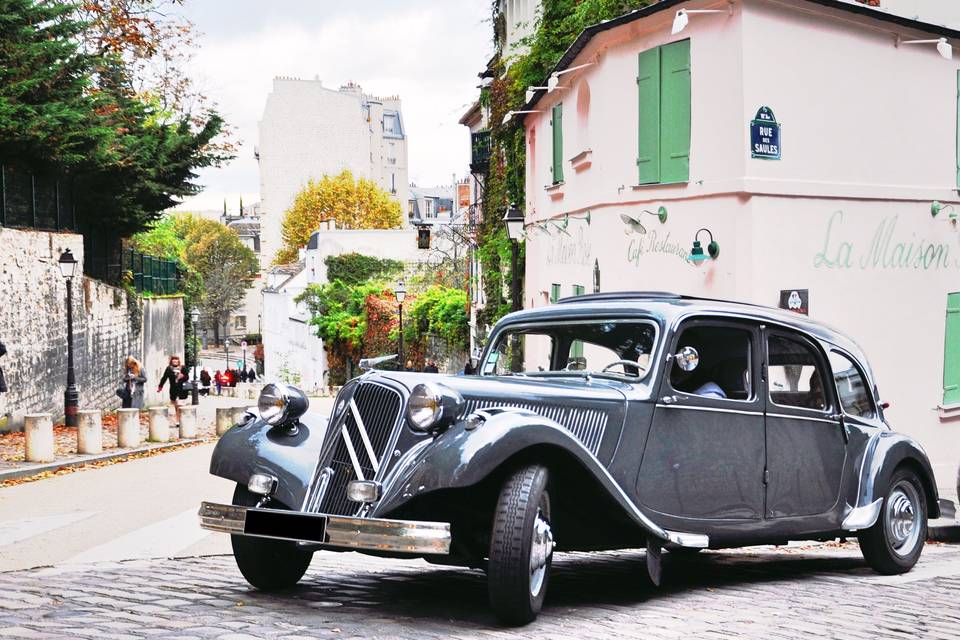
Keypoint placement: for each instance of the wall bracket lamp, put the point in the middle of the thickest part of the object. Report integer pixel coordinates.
(507, 118)
(553, 82)
(635, 226)
(696, 253)
(682, 19)
(937, 206)
(943, 47)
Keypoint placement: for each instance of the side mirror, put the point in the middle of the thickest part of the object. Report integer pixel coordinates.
(687, 358)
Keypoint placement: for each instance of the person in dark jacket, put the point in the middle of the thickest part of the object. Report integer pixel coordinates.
(204, 382)
(431, 367)
(251, 375)
(243, 375)
(133, 381)
(3, 382)
(176, 374)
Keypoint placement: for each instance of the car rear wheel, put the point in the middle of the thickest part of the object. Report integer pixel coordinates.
(894, 543)
(268, 565)
(521, 547)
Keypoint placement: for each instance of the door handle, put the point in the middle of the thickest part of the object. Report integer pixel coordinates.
(668, 399)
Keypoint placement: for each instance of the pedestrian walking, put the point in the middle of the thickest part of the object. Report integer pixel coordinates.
(243, 375)
(218, 380)
(204, 382)
(468, 369)
(252, 375)
(176, 374)
(132, 386)
(3, 382)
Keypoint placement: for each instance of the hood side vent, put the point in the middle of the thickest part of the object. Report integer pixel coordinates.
(587, 425)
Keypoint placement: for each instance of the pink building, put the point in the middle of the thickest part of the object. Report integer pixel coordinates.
(811, 140)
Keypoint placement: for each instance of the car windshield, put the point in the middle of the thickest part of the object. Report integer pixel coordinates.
(619, 348)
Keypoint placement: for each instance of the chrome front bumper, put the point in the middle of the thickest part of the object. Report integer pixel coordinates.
(404, 536)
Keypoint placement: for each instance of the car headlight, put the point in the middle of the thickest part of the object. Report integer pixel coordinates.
(433, 406)
(279, 403)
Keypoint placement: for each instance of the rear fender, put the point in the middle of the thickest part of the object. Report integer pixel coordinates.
(886, 451)
(256, 447)
(460, 458)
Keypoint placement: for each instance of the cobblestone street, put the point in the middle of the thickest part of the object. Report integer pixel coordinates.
(788, 593)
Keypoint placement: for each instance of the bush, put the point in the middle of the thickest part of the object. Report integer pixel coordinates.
(356, 268)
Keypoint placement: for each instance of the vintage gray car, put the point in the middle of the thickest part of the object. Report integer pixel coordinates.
(606, 421)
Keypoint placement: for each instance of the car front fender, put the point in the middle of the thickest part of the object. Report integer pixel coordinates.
(886, 451)
(462, 457)
(256, 447)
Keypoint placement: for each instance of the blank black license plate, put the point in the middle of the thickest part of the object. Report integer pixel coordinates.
(290, 525)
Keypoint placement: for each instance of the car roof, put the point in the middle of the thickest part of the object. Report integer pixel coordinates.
(671, 307)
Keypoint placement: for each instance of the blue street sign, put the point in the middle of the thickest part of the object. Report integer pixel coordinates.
(765, 135)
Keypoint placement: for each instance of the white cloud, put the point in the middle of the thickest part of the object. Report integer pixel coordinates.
(429, 56)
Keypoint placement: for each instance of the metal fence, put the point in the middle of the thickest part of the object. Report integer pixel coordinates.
(36, 200)
(153, 275)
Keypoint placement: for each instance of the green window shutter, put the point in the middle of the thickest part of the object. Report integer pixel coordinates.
(675, 112)
(554, 292)
(557, 123)
(951, 351)
(648, 123)
(576, 347)
(578, 290)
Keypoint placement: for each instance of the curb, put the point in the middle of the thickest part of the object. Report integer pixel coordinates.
(943, 530)
(25, 472)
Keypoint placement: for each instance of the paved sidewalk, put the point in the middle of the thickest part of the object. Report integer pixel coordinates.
(13, 465)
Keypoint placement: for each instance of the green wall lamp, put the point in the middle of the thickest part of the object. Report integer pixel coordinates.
(697, 255)
(635, 226)
(937, 206)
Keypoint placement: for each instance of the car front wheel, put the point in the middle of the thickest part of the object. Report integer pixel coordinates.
(893, 544)
(267, 564)
(521, 547)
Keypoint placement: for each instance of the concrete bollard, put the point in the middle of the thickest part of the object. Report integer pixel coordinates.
(159, 425)
(89, 432)
(38, 437)
(128, 428)
(188, 421)
(238, 413)
(224, 419)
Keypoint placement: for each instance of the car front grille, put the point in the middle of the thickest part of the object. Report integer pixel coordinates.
(361, 440)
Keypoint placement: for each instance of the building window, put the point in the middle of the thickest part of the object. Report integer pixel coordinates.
(240, 323)
(391, 124)
(951, 352)
(554, 292)
(429, 208)
(663, 86)
(556, 124)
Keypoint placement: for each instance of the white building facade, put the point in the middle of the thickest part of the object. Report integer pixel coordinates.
(308, 131)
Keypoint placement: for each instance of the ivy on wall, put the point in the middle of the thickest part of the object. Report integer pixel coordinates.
(559, 22)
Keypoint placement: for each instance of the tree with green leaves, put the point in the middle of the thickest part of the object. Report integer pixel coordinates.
(72, 101)
(226, 266)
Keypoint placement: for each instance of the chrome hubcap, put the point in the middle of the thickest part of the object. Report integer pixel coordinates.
(902, 518)
(541, 549)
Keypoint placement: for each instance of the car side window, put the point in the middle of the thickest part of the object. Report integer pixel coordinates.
(724, 369)
(795, 380)
(851, 386)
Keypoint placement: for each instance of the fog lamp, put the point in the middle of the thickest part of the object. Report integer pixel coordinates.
(262, 484)
(363, 490)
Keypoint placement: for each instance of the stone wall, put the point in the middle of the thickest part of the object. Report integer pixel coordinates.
(33, 327)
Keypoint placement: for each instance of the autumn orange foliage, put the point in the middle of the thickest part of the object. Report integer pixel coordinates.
(353, 203)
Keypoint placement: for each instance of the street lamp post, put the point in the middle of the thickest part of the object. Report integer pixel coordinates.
(195, 393)
(514, 222)
(71, 397)
(401, 293)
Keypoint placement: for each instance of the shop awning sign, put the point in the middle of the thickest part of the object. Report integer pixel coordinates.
(765, 135)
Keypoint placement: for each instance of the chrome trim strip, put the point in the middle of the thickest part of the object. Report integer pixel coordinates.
(352, 452)
(692, 540)
(835, 423)
(406, 536)
(363, 436)
(690, 408)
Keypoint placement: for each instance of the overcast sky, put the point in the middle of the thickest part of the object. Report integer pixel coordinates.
(426, 51)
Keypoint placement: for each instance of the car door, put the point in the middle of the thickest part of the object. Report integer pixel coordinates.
(806, 445)
(704, 457)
